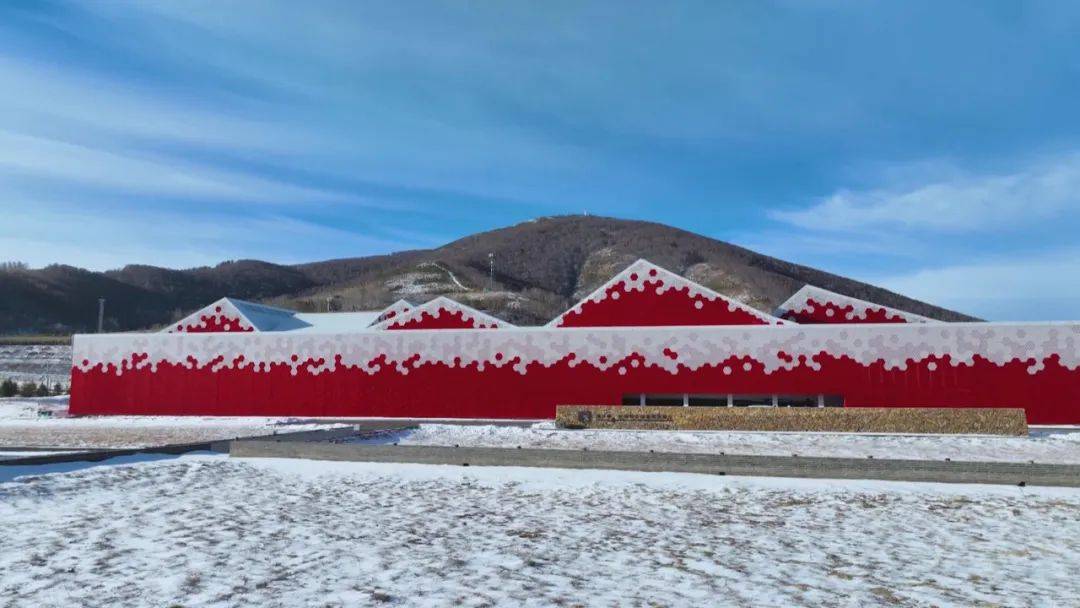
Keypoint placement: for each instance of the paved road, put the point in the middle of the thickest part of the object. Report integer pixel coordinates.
(768, 466)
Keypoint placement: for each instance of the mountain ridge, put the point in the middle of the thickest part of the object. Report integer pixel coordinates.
(541, 268)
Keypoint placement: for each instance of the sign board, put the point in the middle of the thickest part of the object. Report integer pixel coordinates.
(979, 421)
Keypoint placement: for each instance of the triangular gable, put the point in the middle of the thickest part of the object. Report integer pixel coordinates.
(646, 295)
(394, 310)
(814, 305)
(221, 316)
(232, 315)
(442, 313)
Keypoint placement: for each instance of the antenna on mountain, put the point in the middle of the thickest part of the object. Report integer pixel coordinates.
(491, 272)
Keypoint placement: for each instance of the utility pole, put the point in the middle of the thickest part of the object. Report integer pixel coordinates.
(491, 272)
(100, 314)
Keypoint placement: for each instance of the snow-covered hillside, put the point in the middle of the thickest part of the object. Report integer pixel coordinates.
(209, 531)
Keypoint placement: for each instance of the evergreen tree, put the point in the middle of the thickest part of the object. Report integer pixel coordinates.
(42, 390)
(8, 388)
(27, 389)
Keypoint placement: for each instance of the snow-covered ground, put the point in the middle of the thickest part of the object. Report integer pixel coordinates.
(22, 425)
(19, 408)
(210, 531)
(49, 363)
(1043, 445)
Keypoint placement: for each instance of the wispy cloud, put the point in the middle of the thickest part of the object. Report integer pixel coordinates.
(962, 204)
(55, 98)
(59, 161)
(72, 233)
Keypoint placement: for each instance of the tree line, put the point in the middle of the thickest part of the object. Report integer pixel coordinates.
(14, 266)
(10, 388)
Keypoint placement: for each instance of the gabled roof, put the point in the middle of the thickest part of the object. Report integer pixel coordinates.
(442, 313)
(814, 305)
(645, 294)
(231, 315)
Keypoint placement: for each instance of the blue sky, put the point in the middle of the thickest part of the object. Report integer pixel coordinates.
(932, 148)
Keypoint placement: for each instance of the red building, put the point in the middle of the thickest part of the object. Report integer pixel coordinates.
(645, 336)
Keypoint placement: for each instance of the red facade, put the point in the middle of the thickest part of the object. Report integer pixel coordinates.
(440, 369)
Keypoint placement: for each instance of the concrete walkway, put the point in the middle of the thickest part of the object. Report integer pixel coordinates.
(767, 466)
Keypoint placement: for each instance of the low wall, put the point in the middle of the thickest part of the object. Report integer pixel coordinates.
(217, 445)
(1012, 473)
(982, 421)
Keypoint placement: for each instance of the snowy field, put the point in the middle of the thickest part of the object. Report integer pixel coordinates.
(1043, 445)
(49, 363)
(22, 425)
(210, 531)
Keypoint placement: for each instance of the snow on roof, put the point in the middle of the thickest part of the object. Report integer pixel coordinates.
(267, 318)
(642, 274)
(230, 314)
(436, 313)
(397, 308)
(813, 304)
(336, 322)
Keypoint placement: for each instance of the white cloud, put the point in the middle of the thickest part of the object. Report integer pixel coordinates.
(960, 204)
(1034, 287)
(815, 248)
(996, 246)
